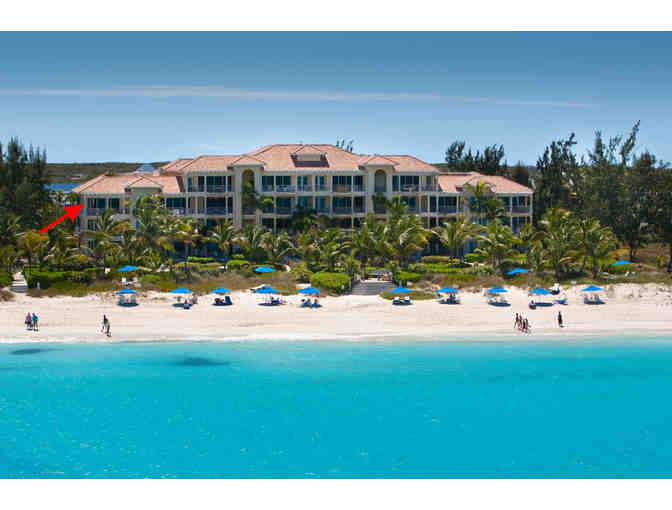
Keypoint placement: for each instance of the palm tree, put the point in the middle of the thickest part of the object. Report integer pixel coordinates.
(107, 227)
(405, 236)
(480, 195)
(303, 218)
(186, 231)
(396, 208)
(131, 245)
(594, 241)
(363, 241)
(223, 235)
(560, 239)
(306, 247)
(278, 247)
(496, 245)
(454, 234)
(252, 240)
(154, 226)
(31, 243)
(529, 238)
(330, 246)
(9, 229)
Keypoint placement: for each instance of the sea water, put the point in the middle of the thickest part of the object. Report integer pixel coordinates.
(553, 408)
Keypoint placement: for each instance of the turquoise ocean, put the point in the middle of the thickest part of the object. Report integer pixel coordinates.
(553, 408)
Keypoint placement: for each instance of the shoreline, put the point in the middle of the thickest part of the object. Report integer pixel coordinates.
(630, 310)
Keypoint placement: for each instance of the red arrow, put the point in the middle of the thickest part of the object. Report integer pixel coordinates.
(71, 211)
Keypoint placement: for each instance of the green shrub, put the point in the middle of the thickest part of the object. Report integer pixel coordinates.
(472, 257)
(332, 282)
(45, 278)
(416, 295)
(200, 260)
(418, 268)
(301, 272)
(404, 277)
(5, 279)
(237, 264)
(238, 256)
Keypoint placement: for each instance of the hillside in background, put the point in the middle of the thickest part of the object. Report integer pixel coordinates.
(79, 172)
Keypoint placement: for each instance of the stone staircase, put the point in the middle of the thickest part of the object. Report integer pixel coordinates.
(19, 284)
(371, 287)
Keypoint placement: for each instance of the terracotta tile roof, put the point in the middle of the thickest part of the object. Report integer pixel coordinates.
(308, 149)
(209, 163)
(117, 184)
(377, 159)
(176, 165)
(454, 182)
(279, 158)
(246, 159)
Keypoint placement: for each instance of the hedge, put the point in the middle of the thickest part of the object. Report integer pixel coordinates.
(333, 282)
(200, 260)
(236, 265)
(301, 272)
(407, 276)
(45, 278)
(436, 259)
(441, 269)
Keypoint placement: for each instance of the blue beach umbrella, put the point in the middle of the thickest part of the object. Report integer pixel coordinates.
(591, 288)
(518, 270)
(621, 263)
(447, 290)
(266, 289)
(309, 290)
(125, 291)
(180, 290)
(126, 268)
(221, 290)
(497, 290)
(539, 291)
(400, 290)
(264, 269)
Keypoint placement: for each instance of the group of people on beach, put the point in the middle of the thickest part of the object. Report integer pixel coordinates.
(31, 322)
(522, 324)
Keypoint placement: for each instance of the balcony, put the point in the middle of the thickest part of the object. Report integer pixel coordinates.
(520, 209)
(409, 188)
(248, 211)
(304, 189)
(196, 189)
(267, 188)
(285, 189)
(93, 211)
(430, 187)
(321, 187)
(379, 210)
(322, 210)
(342, 210)
(380, 189)
(177, 211)
(217, 211)
(218, 188)
(342, 188)
(283, 211)
(447, 209)
(359, 209)
(358, 188)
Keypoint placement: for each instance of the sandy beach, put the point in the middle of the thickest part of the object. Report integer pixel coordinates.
(629, 308)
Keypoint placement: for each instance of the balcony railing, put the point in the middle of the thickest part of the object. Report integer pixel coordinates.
(177, 211)
(285, 189)
(430, 187)
(283, 210)
(380, 189)
(248, 211)
(447, 209)
(409, 188)
(95, 211)
(267, 188)
(322, 210)
(217, 211)
(379, 210)
(195, 188)
(342, 188)
(304, 189)
(321, 187)
(342, 210)
(218, 188)
(359, 209)
(521, 209)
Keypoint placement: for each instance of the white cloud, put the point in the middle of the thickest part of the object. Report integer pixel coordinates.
(160, 91)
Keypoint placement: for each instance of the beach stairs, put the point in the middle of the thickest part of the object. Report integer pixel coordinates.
(371, 287)
(19, 284)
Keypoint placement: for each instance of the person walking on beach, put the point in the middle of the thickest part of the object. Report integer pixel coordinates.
(35, 322)
(29, 322)
(516, 324)
(560, 319)
(105, 322)
(107, 328)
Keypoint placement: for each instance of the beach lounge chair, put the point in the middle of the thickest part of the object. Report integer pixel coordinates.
(305, 303)
(555, 289)
(316, 304)
(396, 300)
(227, 300)
(407, 300)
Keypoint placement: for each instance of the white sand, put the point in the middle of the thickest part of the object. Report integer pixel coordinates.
(629, 308)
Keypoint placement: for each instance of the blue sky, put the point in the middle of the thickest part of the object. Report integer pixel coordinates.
(157, 96)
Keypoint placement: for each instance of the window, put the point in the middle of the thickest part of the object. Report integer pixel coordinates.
(91, 244)
(91, 225)
(267, 182)
(321, 204)
(113, 203)
(283, 180)
(175, 202)
(320, 183)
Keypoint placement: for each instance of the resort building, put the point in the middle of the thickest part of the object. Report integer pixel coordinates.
(330, 180)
